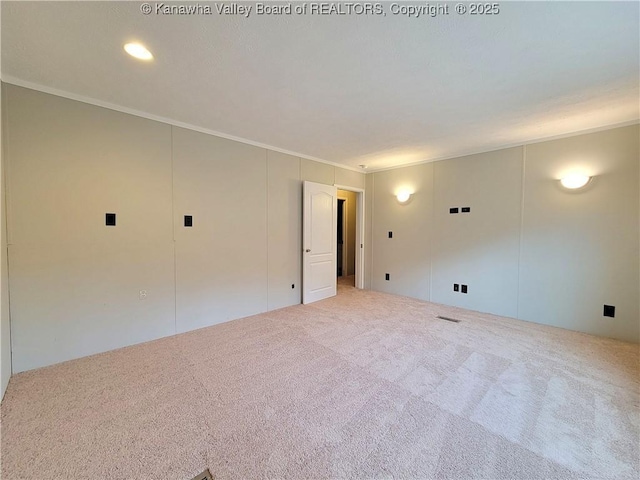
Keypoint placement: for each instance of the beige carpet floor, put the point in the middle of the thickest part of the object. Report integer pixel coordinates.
(363, 385)
(348, 281)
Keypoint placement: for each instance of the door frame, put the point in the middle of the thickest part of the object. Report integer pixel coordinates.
(345, 234)
(359, 232)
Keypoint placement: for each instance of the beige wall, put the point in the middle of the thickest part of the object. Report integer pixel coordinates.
(285, 233)
(221, 262)
(311, 171)
(480, 248)
(75, 284)
(580, 250)
(349, 178)
(406, 257)
(5, 328)
(368, 231)
(528, 249)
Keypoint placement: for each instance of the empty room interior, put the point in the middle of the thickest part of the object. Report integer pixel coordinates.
(300, 240)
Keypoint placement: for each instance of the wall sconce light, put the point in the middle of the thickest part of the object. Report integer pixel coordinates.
(575, 181)
(403, 196)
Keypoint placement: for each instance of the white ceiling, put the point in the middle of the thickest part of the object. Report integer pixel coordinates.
(375, 90)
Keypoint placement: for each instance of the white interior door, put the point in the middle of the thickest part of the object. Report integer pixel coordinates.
(319, 241)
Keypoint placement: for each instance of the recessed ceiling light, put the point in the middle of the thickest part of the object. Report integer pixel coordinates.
(138, 50)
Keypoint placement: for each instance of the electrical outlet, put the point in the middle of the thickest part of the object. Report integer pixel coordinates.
(386, 276)
(609, 311)
(110, 219)
(143, 294)
(466, 209)
(453, 210)
(188, 221)
(390, 234)
(463, 288)
(456, 287)
(293, 285)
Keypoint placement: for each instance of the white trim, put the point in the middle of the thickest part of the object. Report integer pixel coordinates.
(360, 246)
(512, 145)
(345, 234)
(139, 113)
(349, 188)
(523, 178)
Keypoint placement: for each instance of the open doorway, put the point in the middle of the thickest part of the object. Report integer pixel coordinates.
(319, 240)
(346, 234)
(349, 246)
(341, 260)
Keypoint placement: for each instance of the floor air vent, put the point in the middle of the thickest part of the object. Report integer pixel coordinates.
(206, 475)
(449, 319)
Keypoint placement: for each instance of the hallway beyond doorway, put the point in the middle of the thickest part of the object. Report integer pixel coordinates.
(348, 281)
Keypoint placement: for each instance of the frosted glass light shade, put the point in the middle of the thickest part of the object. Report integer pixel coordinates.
(575, 181)
(403, 196)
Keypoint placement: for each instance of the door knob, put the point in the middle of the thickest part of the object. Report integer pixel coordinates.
(307, 250)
